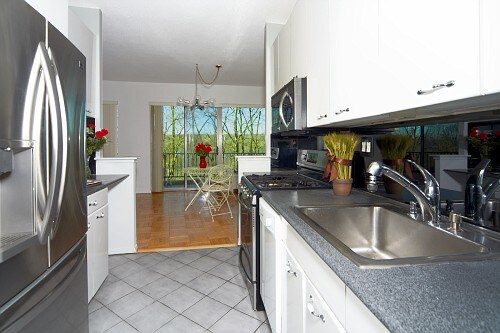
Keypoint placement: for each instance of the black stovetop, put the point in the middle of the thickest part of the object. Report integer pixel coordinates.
(286, 180)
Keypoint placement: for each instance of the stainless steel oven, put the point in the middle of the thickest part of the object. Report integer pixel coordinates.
(249, 254)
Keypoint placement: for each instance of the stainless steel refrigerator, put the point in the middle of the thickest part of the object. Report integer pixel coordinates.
(43, 269)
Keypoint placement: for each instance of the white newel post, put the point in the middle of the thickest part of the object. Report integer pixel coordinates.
(121, 201)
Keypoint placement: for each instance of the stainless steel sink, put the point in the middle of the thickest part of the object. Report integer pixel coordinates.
(383, 235)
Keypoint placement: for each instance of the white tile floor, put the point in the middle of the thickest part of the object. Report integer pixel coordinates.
(182, 291)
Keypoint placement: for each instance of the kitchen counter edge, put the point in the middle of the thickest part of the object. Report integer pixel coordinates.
(106, 181)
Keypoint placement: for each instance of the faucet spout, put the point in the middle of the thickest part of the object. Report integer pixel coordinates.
(430, 208)
(477, 196)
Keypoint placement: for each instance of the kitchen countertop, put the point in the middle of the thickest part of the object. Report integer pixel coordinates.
(106, 181)
(437, 297)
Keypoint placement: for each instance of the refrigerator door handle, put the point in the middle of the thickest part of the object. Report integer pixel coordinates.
(62, 148)
(42, 83)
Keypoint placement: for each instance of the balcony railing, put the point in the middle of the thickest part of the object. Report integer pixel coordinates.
(173, 163)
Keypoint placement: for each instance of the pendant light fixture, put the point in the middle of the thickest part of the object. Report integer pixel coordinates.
(197, 102)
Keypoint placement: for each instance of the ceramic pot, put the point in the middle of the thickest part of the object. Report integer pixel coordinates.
(392, 187)
(203, 162)
(342, 187)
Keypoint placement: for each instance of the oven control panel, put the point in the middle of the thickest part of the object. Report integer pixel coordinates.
(315, 159)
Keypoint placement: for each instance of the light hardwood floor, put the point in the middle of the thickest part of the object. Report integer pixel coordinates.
(162, 223)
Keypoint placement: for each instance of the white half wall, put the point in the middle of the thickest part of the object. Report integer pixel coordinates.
(134, 99)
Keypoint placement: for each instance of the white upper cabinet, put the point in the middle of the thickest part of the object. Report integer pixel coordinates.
(353, 58)
(490, 46)
(428, 52)
(299, 37)
(276, 65)
(318, 78)
(285, 74)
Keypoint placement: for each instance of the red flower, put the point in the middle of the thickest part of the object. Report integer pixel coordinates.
(474, 132)
(483, 136)
(99, 134)
(497, 133)
(90, 125)
(104, 132)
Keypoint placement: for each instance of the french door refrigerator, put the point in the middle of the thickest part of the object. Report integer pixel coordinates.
(43, 271)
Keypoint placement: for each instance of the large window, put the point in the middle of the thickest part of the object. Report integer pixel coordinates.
(441, 139)
(231, 131)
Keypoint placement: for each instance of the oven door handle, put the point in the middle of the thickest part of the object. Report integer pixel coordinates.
(243, 266)
(243, 203)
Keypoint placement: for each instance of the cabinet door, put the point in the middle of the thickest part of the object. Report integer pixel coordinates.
(318, 317)
(285, 74)
(293, 300)
(425, 44)
(318, 77)
(100, 226)
(299, 51)
(353, 59)
(490, 46)
(97, 250)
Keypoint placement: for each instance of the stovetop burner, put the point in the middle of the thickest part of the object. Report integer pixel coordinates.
(285, 181)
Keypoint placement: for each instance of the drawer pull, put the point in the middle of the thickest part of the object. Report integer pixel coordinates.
(289, 269)
(322, 116)
(100, 216)
(93, 203)
(436, 87)
(342, 111)
(310, 308)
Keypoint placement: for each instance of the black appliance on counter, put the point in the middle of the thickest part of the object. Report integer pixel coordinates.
(311, 164)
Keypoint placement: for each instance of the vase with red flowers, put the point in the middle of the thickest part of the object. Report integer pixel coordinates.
(202, 150)
(95, 141)
(486, 143)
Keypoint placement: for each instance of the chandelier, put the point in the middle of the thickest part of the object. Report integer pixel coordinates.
(197, 102)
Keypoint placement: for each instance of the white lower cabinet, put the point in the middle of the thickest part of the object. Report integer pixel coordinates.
(318, 318)
(359, 318)
(293, 295)
(97, 241)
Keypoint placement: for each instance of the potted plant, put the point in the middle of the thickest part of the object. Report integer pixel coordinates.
(393, 148)
(341, 147)
(202, 150)
(94, 141)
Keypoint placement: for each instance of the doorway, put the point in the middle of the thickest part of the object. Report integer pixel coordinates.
(230, 130)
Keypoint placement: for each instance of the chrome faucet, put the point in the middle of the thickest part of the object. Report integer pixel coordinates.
(427, 200)
(477, 196)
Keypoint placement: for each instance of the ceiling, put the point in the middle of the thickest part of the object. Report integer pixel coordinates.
(162, 40)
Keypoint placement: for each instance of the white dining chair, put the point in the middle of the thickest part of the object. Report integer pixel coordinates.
(217, 189)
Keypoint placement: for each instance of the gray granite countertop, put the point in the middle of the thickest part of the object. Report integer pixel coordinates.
(444, 297)
(106, 181)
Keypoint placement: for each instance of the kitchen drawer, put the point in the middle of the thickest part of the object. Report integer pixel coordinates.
(97, 200)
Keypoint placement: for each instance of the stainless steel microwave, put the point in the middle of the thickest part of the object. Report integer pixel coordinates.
(289, 107)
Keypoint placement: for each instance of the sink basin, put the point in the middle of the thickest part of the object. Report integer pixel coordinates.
(383, 235)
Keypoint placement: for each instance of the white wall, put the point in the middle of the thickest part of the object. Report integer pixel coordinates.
(83, 39)
(134, 98)
(56, 11)
(92, 19)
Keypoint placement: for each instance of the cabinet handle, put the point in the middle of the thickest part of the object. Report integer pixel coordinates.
(289, 269)
(342, 111)
(436, 87)
(100, 216)
(310, 308)
(322, 116)
(88, 225)
(93, 203)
